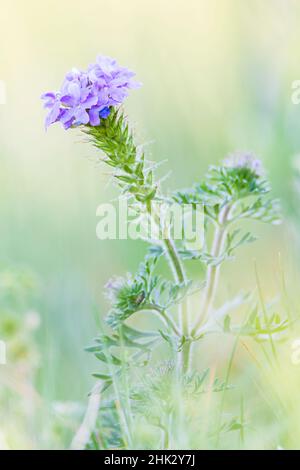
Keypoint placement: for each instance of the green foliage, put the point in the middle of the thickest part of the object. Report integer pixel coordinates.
(156, 396)
(233, 241)
(153, 399)
(238, 187)
(258, 325)
(108, 432)
(139, 344)
(131, 294)
(140, 389)
(114, 138)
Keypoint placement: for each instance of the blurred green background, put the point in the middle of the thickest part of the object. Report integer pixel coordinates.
(216, 76)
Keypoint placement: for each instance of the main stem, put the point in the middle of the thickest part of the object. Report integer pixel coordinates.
(213, 271)
(180, 276)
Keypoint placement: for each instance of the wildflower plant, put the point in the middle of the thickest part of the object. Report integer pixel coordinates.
(136, 393)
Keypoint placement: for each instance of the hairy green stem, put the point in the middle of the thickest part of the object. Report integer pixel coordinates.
(180, 276)
(176, 264)
(164, 315)
(114, 138)
(213, 272)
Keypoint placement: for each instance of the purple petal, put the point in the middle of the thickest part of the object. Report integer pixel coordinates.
(66, 115)
(53, 115)
(81, 116)
(103, 96)
(118, 94)
(68, 100)
(90, 101)
(94, 116)
(85, 94)
(68, 124)
(47, 95)
(49, 98)
(74, 90)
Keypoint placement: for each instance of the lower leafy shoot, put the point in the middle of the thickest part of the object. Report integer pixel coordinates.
(154, 404)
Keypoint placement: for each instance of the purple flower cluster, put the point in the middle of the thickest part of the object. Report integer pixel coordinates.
(87, 96)
(245, 160)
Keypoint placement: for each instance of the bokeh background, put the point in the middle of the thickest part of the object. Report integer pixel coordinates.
(217, 77)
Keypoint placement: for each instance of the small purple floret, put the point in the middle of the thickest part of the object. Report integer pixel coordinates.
(245, 160)
(88, 96)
